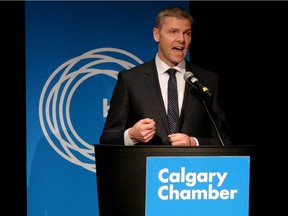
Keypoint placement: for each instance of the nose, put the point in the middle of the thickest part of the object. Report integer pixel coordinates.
(181, 37)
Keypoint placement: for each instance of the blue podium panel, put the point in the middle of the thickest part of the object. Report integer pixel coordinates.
(198, 186)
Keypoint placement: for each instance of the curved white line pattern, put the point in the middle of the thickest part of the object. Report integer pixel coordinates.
(56, 96)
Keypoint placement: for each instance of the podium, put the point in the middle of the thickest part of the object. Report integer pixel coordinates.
(121, 173)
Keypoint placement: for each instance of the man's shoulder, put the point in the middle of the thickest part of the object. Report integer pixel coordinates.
(200, 71)
(143, 67)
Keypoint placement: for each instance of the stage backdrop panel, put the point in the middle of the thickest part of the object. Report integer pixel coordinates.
(74, 51)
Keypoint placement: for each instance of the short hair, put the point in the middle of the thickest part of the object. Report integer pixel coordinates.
(172, 11)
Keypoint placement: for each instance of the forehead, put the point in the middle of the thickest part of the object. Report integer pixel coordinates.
(176, 22)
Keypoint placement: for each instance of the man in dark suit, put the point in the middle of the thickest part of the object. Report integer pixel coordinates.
(139, 104)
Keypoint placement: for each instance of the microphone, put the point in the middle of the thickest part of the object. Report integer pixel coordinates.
(192, 80)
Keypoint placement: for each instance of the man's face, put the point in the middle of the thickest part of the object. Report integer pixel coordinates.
(174, 39)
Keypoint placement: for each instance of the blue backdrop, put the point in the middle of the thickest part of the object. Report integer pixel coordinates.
(74, 51)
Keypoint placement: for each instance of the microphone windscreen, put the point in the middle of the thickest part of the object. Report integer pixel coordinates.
(188, 75)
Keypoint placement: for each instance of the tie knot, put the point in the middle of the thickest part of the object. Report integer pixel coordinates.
(171, 71)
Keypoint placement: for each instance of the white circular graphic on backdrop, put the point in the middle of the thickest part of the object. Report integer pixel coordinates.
(57, 93)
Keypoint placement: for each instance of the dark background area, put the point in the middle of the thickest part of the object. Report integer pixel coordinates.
(228, 39)
(244, 42)
(13, 144)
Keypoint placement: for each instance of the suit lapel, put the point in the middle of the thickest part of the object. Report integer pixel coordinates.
(152, 83)
(187, 99)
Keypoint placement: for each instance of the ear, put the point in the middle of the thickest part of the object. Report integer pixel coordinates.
(156, 34)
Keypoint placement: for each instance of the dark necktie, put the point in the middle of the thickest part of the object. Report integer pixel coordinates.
(173, 110)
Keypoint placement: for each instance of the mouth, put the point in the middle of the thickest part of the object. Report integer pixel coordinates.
(178, 49)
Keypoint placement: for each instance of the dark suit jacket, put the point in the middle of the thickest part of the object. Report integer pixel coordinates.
(137, 95)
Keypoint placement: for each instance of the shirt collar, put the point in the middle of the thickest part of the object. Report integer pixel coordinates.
(163, 67)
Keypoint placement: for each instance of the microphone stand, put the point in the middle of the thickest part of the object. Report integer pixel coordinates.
(213, 122)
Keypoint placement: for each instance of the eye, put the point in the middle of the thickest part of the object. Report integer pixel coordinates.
(173, 32)
(188, 33)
